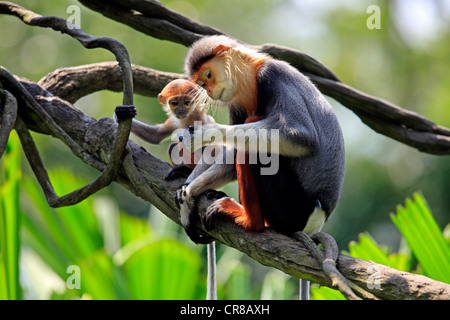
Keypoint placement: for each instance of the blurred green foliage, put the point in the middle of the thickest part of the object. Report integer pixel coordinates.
(10, 175)
(93, 251)
(405, 62)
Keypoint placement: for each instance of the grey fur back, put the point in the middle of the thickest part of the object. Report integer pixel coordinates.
(303, 114)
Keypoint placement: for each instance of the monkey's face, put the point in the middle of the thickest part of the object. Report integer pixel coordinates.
(215, 78)
(177, 97)
(180, 106)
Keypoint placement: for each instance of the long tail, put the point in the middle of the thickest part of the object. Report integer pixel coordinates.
(211, 290)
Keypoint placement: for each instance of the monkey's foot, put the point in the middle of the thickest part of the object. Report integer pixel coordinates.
(125, 112)
(228, 207)
(178, 172)
(181, 196)
(189, 216)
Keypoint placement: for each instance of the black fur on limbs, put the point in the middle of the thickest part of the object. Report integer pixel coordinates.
(125, 112)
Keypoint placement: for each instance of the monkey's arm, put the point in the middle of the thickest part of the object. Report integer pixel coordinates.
(152, 134)
(267, 135)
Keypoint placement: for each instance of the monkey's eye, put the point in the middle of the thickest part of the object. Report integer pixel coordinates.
(188, 102)
(201, 84)
(174, 103)
(207, 74)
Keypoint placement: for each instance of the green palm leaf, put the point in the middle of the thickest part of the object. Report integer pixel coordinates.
(417, 225)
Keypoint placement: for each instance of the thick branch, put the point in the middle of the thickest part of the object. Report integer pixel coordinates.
(142, 174)
(388, 119)
(151, 24)
(74, 83)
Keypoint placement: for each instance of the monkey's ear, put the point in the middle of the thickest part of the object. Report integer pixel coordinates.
(161, 99)
(217, 50)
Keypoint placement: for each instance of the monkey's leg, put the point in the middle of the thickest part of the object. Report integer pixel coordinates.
(248, 213)
(228, 207)
(213, 177)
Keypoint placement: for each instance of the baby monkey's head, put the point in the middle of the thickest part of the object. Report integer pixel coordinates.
(179, 97)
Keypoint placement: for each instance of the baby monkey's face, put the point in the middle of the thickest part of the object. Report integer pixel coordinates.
(180, 105)
(178, 97)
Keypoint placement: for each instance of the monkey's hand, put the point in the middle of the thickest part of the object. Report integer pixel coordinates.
(124, 112)
(195, 137)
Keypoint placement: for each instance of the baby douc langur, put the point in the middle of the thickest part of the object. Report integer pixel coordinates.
(183, 101)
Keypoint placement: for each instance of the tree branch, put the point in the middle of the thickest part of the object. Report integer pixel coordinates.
(73, 83)
(388, 119)
(8, 115)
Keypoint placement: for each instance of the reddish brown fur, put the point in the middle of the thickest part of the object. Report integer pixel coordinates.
(247, 98)
(248, 213)
(248, 196)
(251, 104)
